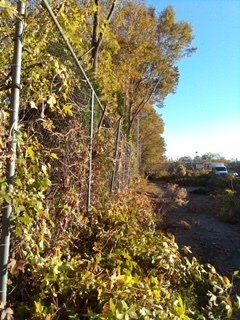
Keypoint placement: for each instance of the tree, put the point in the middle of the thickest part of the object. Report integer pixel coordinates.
(145, 64)
(151, 140)
(212, 157)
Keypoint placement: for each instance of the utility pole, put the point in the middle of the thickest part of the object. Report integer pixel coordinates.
(12, 148)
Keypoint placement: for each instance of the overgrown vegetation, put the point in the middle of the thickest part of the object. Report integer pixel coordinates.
(112, 264)
(177, 172)
(230, 205)
(225, 189)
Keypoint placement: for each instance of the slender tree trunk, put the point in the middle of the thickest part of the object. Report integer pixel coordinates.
(97, 37)
(95, 33)
(142, 104)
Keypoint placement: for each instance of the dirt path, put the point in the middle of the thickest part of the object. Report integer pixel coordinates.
(211, 240)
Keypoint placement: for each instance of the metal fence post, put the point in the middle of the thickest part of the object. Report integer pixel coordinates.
(125, 173)
(89, 199)
(129, 155)
(116, 156)
(12, 148)
(120, 163)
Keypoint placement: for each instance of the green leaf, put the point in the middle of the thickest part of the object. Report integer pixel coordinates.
(67, 110)
(19, 209)
(31, 153)
(112, 305)
(5, 4)
(132, 313)
(26, 220)
(52, 101)
(54, 156)
(7, 198)
(10, 9)
(38, 307)
(119, 315)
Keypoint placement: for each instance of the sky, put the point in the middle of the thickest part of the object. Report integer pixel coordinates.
(204, 114)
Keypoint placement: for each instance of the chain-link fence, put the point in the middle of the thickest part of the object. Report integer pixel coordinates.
(69, 123)
(64, 141)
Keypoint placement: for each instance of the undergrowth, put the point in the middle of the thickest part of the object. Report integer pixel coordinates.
(230, 206)
(113, 264)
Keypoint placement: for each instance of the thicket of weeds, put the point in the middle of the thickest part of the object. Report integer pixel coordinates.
(225, 191)
(230, 206)
(114, 265)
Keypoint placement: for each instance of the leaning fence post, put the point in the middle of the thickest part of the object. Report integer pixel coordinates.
(125, 173)
(116, 156)
(89, 198)
(12, 149)
(129, 166)
(119, 167)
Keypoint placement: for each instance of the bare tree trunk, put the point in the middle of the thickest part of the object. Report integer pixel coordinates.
(142, 104)
(97, 37)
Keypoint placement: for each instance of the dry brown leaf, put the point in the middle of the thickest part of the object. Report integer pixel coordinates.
(15, 266)
(2, 304)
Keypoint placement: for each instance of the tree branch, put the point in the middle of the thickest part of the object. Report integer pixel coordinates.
(97, 39)
(144, 102)
(107, 21)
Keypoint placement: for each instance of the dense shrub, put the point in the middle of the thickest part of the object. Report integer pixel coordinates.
(181, 171)
(230, 206)
(205, 179)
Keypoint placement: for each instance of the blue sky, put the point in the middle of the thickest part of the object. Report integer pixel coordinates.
(204, 114)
